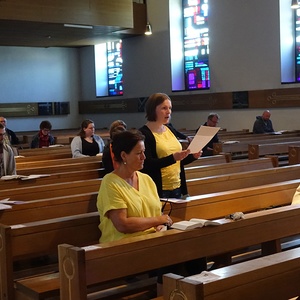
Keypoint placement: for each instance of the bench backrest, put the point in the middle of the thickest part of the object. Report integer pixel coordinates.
(82, 267)
(272, 277)
(53, 178)
(227, 168)
(258, 150)
(56, 159)
(49, 208)
(52, 190)
(200, 186)
(35, 239)
(218, 205)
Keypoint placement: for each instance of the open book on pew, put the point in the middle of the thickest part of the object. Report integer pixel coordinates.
(194, 223)
(23, 177)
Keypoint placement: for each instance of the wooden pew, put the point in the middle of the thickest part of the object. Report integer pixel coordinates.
(208, 206)
(213, 185)
(258, 150)
(42, 157)
(241, 147)
(49, 208)
(62, 177)
(221, 204)
(43, 151)
(31, 240)
(227, 168)
(294, 155)
(52, 190)
(67, 175)
(79, 267)
(50, 169)
(52, 156)
(223, 136)
(218, 183)
(57, 162)
(271, 277)
(211, 160)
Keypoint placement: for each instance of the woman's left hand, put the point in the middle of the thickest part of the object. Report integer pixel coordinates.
(198, 154)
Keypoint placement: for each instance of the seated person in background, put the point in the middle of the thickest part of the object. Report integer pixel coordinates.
(296, 197)
(212, 121)
(263, 124)
(7, 159)
(108, 162)
(87, 143)
(10, 136)
(43, 138)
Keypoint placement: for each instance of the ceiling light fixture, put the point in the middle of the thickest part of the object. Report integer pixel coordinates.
(79, 26)
(295, 4)
(148, 30)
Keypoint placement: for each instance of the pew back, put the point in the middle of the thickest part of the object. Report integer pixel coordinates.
(272, 277)
(79, 267)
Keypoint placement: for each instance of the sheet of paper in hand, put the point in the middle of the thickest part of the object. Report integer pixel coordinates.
(202, 137)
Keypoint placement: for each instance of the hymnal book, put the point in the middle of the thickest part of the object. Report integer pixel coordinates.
(194, 223)
(23, 177)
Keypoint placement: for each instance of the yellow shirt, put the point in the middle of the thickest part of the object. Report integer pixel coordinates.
(116, 193)
(166, 144)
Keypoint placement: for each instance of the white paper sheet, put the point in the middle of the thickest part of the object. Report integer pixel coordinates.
(202, 137)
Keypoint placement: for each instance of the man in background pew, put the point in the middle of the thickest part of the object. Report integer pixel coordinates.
(263, 124)
(10, 137)
(7, 159)
(212, 121)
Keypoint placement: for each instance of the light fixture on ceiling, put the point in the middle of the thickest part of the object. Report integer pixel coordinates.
(148, 30)
(79, 26)
(295, 4)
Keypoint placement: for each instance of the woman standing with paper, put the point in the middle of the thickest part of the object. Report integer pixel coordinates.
(165, 158)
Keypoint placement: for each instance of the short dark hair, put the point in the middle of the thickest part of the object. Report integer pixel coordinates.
(125, 141)
(45, 125)
(153, 101)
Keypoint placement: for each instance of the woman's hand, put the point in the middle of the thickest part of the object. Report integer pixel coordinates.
(197, 155)
(166, 220)
(181, 155)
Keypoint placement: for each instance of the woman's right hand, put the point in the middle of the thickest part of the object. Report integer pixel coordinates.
(166, 220)
(181, 155)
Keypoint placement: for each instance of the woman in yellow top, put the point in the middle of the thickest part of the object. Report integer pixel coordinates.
(128, 202)
(165, 158)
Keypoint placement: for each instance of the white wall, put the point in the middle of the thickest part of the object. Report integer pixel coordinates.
(40, 75)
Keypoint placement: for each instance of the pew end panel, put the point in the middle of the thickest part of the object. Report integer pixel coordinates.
(271, 277)
(294, 155)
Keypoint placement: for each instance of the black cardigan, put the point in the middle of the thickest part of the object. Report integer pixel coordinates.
(153, 164)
